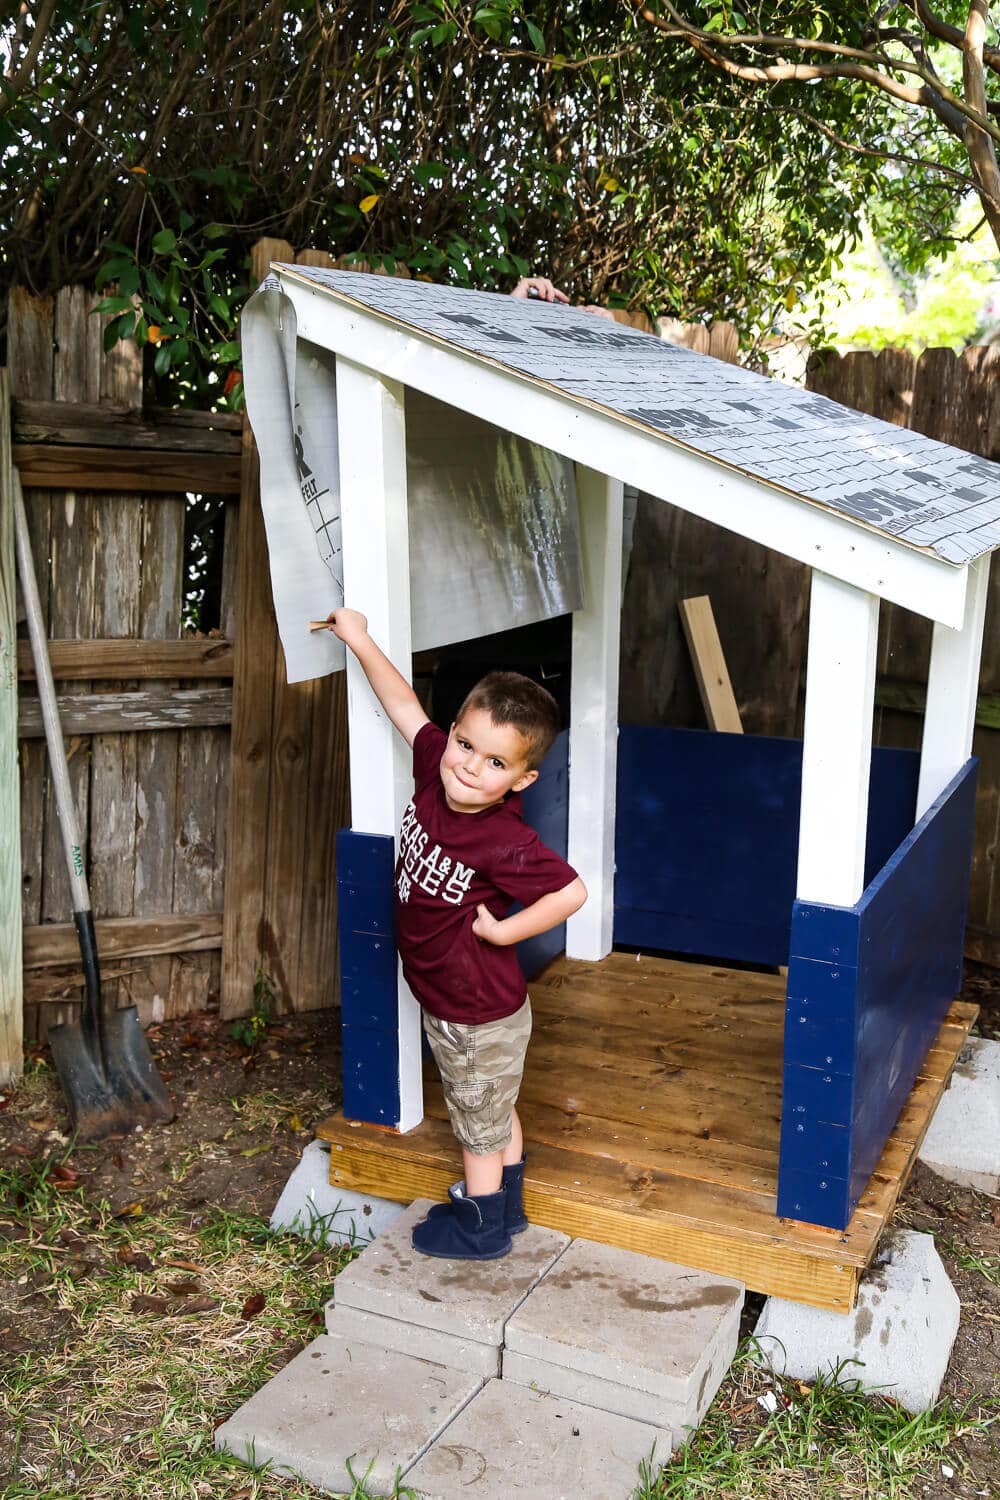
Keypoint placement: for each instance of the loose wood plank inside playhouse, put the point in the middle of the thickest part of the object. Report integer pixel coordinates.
(651, 1107)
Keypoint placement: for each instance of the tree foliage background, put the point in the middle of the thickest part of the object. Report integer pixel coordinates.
(147, 145)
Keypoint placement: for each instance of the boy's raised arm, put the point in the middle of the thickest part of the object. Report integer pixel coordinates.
(389, 686)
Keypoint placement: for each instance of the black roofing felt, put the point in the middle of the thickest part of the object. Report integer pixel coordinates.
(924, 493)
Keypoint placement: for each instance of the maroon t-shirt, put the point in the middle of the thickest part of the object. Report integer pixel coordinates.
(448, 863)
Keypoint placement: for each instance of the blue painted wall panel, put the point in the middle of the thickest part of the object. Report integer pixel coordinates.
(809, 1145)
(362, 858)
(371, 1075)
(820, 1015)
(721, 937)
(827, 934)
(369, 908)
(707, 838)
(816, 1198)
(368, 980)
(906, 935)
(368, 976)
(818, 1094)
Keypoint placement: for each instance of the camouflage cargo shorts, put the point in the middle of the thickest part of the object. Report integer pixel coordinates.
(481, 1068)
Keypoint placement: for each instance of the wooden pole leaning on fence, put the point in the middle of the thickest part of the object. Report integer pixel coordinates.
(709, 662)
(11, 973)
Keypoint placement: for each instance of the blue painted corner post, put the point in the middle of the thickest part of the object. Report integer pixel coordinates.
(369, 995)
(868, 989)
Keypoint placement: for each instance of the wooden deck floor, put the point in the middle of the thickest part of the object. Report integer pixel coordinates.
(651, 1105)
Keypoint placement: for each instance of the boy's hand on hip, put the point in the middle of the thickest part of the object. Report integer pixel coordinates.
(348, 625)
(487, 928)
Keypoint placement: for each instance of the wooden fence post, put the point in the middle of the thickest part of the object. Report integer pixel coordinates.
(11, 979)
(256, 645)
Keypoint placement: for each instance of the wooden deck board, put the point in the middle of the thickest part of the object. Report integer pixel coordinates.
(651, 1108)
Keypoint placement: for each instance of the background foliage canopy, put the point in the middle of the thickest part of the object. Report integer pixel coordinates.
(148, 145)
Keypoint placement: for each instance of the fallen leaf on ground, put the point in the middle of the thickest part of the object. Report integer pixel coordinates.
(40, 1125)
(252, 1306)
(197, 1305)
(126, 1256)
(143, 1303)
(184, 1265)
(184, 1288)
(129, 1211)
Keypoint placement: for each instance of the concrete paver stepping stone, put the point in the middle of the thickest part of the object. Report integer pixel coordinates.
(411, 1338)
(467, 1301)
(511, 1442)
(342, 1400)
(628, 1333)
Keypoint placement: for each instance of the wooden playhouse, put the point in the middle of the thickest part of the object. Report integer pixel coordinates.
(706, 1109)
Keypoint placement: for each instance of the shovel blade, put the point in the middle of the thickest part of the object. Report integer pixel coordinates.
(113, 1093)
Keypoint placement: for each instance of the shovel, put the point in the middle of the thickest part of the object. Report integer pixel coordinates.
(103, 1060)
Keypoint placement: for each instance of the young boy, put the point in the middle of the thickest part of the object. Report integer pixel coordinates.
(465, 856)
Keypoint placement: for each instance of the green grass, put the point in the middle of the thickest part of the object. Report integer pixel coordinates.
(111, 1401)
(972, 1260)
(115, 1401)
(823, 1440)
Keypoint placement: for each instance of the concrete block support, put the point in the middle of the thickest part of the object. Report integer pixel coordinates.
(311, 1207)
(963, 1142)
(897, 1340)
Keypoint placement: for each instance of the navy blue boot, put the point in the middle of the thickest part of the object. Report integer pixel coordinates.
(514, 1220)
(468, 1229)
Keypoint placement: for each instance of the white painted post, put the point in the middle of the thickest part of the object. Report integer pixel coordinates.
(837, 749)
(372, 445)
(593, 736)
(952, 689)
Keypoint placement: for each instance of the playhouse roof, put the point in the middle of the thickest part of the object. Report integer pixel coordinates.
(922, 493)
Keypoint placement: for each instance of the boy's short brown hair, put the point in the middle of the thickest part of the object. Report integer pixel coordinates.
(510, 698)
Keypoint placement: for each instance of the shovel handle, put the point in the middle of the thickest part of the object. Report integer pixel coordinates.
(58, 768)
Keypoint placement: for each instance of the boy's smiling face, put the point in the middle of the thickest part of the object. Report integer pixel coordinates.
(482, 762)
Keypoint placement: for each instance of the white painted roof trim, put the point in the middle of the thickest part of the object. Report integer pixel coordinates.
(787, 523)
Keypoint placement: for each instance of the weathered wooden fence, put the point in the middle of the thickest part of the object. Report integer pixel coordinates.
(145, 710)
(204, 783)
